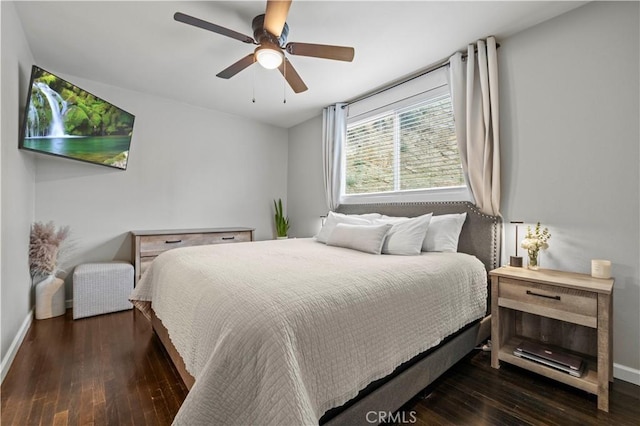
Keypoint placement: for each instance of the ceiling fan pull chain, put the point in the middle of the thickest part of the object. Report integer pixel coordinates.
(284, 82)
(253, 84)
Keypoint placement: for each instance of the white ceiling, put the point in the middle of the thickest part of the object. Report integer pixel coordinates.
(138, 46)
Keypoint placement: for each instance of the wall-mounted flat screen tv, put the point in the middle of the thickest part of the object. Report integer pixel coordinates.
(62, 119)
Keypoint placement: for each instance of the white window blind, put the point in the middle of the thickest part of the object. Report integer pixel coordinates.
(404, 147)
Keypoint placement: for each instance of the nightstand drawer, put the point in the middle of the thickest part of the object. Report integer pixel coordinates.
(580, 302)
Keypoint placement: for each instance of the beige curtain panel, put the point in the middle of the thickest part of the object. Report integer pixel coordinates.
(474, 94)
(334, 133)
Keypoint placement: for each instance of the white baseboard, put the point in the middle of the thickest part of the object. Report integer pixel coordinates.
(68, 303)
(15, 345)
(627, 374)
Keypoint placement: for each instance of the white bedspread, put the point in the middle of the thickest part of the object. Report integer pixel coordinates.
(278, 332)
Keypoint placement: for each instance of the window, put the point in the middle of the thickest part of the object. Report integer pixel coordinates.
(404, 149)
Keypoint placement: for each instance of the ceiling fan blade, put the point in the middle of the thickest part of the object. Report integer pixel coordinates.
(181, 17)
(237, 67)
(291, 75)
(338, 53)
(276, 16)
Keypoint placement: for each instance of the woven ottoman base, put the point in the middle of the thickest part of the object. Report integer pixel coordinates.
(100, 288)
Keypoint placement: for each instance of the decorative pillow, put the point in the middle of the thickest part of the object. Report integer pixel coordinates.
(444, 232)
(334, 218)
(366, 238)
(407, 234)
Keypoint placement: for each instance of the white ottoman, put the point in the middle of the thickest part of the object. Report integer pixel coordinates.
(100, 288)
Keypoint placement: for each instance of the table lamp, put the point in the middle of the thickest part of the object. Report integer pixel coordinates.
(516, 260)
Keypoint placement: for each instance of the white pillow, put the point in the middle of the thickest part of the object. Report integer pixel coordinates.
(407, 234)
(334, 218)
(444, 232)
(369, 216)
(393, 219)
(366, 238)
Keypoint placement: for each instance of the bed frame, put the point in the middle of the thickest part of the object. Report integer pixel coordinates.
(480, 237)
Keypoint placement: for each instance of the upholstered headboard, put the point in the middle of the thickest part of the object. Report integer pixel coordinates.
(480, 234)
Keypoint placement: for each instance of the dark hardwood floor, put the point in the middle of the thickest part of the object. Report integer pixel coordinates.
(104, 370)
(473, 393)
(112, 370)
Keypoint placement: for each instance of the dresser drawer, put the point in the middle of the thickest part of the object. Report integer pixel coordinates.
(229, 237)
(147, 245)
(145, 262)
(153, 245)
(516, 292)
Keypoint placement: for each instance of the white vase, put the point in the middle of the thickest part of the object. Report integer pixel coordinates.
(50, 298)
(282, 238)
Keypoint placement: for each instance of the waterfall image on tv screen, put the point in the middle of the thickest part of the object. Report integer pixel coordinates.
(63, 120)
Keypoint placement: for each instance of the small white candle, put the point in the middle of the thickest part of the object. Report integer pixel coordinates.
(600, 268)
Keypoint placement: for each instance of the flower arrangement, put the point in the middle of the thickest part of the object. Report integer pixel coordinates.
(45, 244)
(534, 241)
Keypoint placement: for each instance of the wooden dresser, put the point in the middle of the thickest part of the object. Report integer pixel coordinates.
(147, 245)
(570, 312)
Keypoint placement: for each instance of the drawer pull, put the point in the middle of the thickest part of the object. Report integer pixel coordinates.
(229, 238)
(172, 241)
(543, 295)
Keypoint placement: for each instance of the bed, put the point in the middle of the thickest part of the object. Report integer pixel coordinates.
(304, 333)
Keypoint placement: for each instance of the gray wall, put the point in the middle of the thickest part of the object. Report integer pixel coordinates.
(570, 152)
(188, 168)
(569, 105)
(17, 184)
(305, 189)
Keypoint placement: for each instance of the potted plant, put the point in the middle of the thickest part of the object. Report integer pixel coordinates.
(282, 222)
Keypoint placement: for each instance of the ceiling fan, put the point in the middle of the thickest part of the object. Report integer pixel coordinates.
(270, 32)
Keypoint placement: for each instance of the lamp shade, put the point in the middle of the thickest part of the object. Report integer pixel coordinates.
(269, 57)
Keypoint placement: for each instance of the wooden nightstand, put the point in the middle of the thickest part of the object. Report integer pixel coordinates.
(567, 310)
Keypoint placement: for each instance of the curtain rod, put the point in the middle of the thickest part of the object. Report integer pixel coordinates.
(427, 70)
(420, 73)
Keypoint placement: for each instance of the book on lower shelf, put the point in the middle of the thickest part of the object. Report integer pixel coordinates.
(551, 357)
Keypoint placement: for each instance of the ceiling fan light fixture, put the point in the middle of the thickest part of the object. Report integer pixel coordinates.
(270, 33)
(269, 57)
